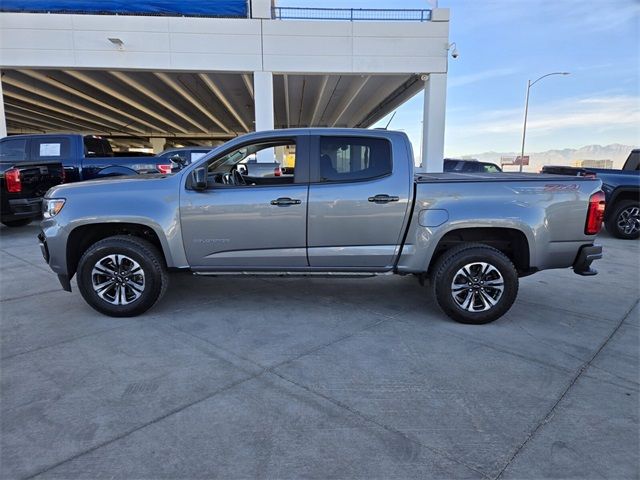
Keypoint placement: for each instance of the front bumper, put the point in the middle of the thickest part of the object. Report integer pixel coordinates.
(586, 255)
(64, 280)
(23, 208)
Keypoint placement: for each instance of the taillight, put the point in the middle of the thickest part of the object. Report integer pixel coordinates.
(12, 178)
(63, 176)
(595, 214)
(277, 172)
(164, 168)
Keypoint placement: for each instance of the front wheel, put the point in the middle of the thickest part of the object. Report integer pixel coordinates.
(122, 276)
(474, 283)
(624, 222)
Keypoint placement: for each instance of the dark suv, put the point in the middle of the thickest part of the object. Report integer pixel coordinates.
(469, 166)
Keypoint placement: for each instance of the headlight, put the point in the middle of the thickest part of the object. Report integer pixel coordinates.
(52, 206)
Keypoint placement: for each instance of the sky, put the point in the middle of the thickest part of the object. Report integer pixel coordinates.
(504, 43)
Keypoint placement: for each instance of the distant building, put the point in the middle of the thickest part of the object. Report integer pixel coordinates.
(593, 163)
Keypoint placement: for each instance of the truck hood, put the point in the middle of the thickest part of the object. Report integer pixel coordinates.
(112, 185)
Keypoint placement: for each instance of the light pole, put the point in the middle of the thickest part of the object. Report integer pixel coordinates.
(526, 109)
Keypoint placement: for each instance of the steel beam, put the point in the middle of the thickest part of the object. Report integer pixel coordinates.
(189, 98)
(66, 101)
(74, 91)
(220, 96)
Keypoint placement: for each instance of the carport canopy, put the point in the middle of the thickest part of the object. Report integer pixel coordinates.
(132, 107)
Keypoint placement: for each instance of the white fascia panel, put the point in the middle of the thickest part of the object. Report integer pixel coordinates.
(133, 41)
(376, 64)
(394, 46)
(221, 26)
(400, 29)
(215, 62)
(214, 43)
(120, 23)
(308, 63)
(307, 45)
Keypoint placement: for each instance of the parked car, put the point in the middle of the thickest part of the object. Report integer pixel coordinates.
(183, 156)
(23, 183)
(86, 156)
(469, 166)
(622, 190)
(353, 207)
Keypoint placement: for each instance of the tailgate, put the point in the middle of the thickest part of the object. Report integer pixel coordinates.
(38, 177)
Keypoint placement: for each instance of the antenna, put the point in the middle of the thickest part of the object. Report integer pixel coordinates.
(389, 122)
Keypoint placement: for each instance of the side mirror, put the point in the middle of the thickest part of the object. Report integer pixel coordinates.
(199, 179)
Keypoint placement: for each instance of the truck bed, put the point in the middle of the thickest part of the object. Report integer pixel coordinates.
(452, 177)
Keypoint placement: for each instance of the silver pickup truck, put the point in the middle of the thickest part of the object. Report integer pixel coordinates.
(350, 205)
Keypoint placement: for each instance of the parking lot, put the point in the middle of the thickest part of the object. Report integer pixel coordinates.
(289, 378)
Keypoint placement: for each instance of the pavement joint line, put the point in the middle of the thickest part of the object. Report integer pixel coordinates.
(289, 360)
(336, 299)
(579, 373)
(507, 351)
(590, 316)
(372, 420)
(29, 295)
(140, 427)
(161, 328)
(62, 342)
(633, 385)
(184, 407)
(25, 261)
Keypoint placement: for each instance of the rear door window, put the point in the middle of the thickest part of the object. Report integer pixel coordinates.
(13, 150)
(97, 147)
(349, 159)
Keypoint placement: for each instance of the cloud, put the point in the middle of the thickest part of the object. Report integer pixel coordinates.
(460, 80)
(600, 113)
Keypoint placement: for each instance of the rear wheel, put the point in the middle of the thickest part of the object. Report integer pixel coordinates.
(122, 276)
(624, 222)
(17, 223)
(474, 283)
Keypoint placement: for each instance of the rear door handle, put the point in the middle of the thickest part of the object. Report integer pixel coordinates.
(285, 201)
(384, 198)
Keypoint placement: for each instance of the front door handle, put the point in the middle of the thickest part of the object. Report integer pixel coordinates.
(285, 201)
(384, 198)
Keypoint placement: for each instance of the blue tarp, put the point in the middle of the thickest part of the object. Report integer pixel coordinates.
(213, 8)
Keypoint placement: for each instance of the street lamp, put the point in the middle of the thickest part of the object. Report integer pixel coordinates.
(526, 109)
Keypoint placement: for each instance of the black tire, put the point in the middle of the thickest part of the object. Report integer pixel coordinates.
(625, 214)
(130, 251)
(17, 223)
(448, 269)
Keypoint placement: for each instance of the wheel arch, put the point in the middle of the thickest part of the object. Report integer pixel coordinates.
(510, 241)
(83, 236)
(621, 194)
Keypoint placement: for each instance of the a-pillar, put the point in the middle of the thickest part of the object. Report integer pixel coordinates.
(263, 100)
(435, 101)
(157, 143)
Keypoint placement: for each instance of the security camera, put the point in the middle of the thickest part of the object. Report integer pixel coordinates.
(453, 49)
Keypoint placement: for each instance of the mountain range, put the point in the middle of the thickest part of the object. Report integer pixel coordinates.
(616, 152)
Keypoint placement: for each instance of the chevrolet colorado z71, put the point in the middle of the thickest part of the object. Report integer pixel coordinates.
(352, 206)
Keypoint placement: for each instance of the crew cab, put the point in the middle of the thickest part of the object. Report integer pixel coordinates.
(23, 183)
(352, 205)
(86, 157)
(622, 191)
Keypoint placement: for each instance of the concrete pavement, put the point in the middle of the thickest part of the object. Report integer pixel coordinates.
(239, 378)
